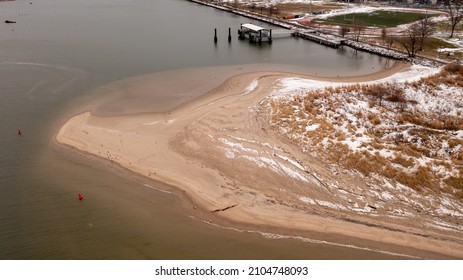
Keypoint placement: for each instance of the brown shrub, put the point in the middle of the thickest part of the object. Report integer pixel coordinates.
(308, 106)
(409, 118)
(455, 69)
(405, 162)
(459, 194)
(423, 178)
(457, 158)
(374, 119)
(415, 84)
(452, 123)
(389, 172)
(376, 145)
(408, 150)
(396, 95)
(455, 182)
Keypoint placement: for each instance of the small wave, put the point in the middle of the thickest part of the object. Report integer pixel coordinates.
(315, 241)
(276, 236)
(159, 190)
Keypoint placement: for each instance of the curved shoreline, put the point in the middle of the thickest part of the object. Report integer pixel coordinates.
(179, 148)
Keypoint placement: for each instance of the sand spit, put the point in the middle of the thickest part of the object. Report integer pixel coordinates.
(219, 150)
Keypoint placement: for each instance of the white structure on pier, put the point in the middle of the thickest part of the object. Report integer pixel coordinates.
(255, 33)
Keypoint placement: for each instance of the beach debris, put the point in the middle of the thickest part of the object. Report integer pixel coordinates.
(224, 209)
(81, 197)
(19, 132)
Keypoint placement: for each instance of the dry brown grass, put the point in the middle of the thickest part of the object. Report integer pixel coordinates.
(431, 121)
(374, 119)
(452, 75)
(403, 161)
(422, 178)
(455, 69)
(392, 122)
(455, 182)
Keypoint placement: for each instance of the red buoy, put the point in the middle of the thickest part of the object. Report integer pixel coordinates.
(19, 132)
(81, 197)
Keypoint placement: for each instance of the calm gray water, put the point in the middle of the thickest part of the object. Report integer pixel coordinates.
(60, 49)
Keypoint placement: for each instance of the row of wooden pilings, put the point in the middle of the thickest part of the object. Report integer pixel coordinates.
(229, 35)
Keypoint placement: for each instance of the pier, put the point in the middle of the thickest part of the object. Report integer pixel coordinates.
(327, 40)
(255, 33)
(309, 33)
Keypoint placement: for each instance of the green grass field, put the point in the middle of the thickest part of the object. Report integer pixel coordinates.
(379, 18)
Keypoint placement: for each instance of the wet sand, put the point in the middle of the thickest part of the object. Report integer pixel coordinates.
(203, 147)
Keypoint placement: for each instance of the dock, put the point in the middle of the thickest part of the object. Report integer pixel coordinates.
(327, 40)
(310, 33)
(255, 33)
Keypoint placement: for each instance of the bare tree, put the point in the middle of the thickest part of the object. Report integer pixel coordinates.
(358, 29)
(381, 94)
(344, 30)
(426, 28)
(276, 10)
(387, 38)
(253, 6)
(270, 10)
(384, 34)
(455, 9)
(397, 95)
(410, 40)
(358, 32)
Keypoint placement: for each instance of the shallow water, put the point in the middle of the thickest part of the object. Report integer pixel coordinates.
(50, 60)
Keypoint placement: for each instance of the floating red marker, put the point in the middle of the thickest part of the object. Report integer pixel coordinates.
(19, 132)
(81, 197)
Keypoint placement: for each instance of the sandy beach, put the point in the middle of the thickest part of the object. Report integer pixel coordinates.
(218, 148)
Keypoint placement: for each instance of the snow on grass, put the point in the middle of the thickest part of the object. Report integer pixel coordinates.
(312, 127)
(414, 73)
(409, 142)
(352, 10)
(450, 50)
(297, 86)
(268, 2)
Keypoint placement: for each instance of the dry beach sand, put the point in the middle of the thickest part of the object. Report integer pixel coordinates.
(218, 149)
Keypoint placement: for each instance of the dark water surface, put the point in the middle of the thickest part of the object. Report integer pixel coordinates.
(59, 50)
